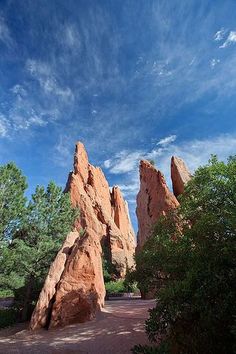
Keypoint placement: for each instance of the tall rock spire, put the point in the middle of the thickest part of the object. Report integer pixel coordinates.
(74, 289)
(120, 214)
(153, 200)
(180, 175)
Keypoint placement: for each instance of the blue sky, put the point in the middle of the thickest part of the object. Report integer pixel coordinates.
(131, 79)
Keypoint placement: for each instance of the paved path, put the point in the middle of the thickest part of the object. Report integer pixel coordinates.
(117, 329)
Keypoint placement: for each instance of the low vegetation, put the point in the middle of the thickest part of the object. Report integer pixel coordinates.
(113, 284)
(115, 287)
(121, 286)
(190, 260)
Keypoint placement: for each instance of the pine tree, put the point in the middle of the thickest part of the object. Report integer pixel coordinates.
(12, 200)
(49, 217)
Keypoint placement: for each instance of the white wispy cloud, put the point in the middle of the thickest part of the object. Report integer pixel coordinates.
(231, 39)
(219, 35)
(126, 161)
(167, 140)
(123, 162)
(62, 154)
(71, 36)
(19, 90)
(5, 35)
(20, 122)
(195, 153)
(37, 120)
(131, 187)
(4, 126)
(161, 68)
(24, 113)
(43, 73)
(165, 79)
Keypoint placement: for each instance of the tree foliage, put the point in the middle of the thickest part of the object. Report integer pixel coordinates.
(190, 259)
(31, 234)
(12, 199)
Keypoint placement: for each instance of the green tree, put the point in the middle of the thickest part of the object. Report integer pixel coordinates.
(34, 245)
(12, 211)
(191, 259)
(12, 200)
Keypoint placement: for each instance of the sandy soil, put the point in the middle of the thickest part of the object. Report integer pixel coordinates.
(117, 329)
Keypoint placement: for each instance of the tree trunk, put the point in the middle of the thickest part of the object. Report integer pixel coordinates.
(24, 315)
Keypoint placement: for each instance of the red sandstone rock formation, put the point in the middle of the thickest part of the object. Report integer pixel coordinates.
(180, 175)
(122, 246)
(105, 212)
(74, 289)
(153, 200)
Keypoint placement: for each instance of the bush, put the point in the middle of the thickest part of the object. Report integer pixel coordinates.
(191, 258)
(115, 287)
(131, 287)
(6, 293)
(8, 317)
(130, 283)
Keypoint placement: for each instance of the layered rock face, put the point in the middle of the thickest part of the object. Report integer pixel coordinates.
(180, 175)
(153, 200)
(74, 289)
